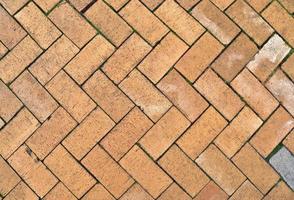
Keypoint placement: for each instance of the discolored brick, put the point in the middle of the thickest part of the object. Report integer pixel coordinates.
(23, 192)
(174, 191)
(8, 178)
(98, 192)
(211, 192)
(59, 192)
(136, 192)
(247, 191)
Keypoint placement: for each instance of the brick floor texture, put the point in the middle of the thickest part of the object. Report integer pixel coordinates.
(146, 99)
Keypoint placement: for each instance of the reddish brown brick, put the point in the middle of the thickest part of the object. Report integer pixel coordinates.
(98, 192)
(258, 5)
(59, 192)
(125, 134)
(255, 168)
(8, 178)
(90, 57)
(18, 59)
(143, 21)
(51, 132)
(288, 67)
(13, 6)
(249, 20)
(199, 56)
(174, 191)
(136, 192)
(184, 96)
(34, 96)
(145, 95)
(272, 132)
(247, 191)
(162, 57)
(108, 96)
(69, 171)
(201, 133)
(16, 132)
(27, 165)
(84, 137)
(179, 21)
(108, 22)
(38, 25)
(254, 93)
(145, 171)
(280, 191)
(289, 141)
(23, 192)
(129, 54)
(220, 169)
(70, 96)
(211, 192)
(107, 171)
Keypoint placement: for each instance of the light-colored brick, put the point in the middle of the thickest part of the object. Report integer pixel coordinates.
(289, 141)
(59, 192)
(108, 96)
(70, 96)
(8, 178)
(129, 54)
(174, 191)
(126, 133)
(288, 66)
(145, 171)
(23, 192)
(256, 168)
(80, 4)
(201, 133)
(143, 21)
(222, 4)
(136, 192)
(152, 4)
(199, 56)
(215, 21)
(34, 96)
(162, 57)
(69, 171)
(220, 169)
(3, 50)
(280, 191)
(254, 93)
(84, 137)
(184, 25)
(211, 192)
(13, 6)
(50, 133)
(187, 4)
(247, 191)
(288, 4)
(38, 25)
(272, 132)
(46, 5)
(98, 192)
(116, 4)
(16, 132)
(145, 95)
(107, 171)
(90, 57)
(258, 5)
(249, 20)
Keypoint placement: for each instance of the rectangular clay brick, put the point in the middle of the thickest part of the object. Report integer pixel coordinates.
(16, 132)
(125, 58)
(11, 32)
(215, 21)
(59, 192)
(72, 24)
(126, 133)
(33, 171)
(254, 93)
(108, 22)
(199, 56)
(288, 66)
(250, 21)
(187, 4)
(183, 170)
(182, 95)
(69, 171)
(220, 169)
(247, 191)
(268, 57)
(18, 59)
(90, 57)
(283, 89)
(136, 192)
(13, 6)
(51, 61)
(162, 57)
(8, 178)
(88, 133)
(38, 25)
(143, 21)
(34, 96)
(116, 4)
(10, 104)
(46, 5)
(272, 132)
(3, 50)
(222, 4)
(152, 4)
(145, 171)
(289, 141)
(98, 192)
(21, 191)
(145, 95)
(107, 171)
(201, 133)
(70, 96)
(174, 191)
(161, 136)
(255, 168)
(215, 90)
(108, 96)
(183, 24)
(80, 4)
(258, 5)
(280, 191)
(280, 20)
(235, 57)
(243, 126)
(211, 191)
(288, 4)
(50, 133)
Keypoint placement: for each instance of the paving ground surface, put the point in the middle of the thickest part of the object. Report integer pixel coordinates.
(149, 99)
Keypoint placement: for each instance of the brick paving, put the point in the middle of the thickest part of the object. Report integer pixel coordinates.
(146, 99)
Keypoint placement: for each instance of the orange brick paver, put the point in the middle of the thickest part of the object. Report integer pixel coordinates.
(146, 99)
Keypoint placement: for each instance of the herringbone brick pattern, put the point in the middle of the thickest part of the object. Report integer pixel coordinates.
(146, 99)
